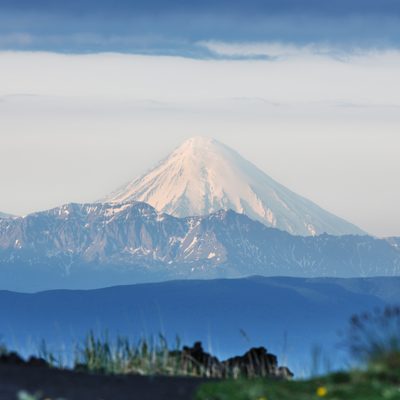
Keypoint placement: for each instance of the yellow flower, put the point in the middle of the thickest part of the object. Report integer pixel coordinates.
(321, 391)
(262, 398)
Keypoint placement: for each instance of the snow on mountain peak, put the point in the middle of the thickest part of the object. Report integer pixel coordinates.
(203, 175)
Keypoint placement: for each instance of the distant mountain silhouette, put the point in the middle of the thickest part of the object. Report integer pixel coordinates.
(4, 215)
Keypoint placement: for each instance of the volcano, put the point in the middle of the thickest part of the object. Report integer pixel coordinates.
(203, 176)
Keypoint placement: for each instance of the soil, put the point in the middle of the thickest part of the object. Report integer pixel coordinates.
(71, 385)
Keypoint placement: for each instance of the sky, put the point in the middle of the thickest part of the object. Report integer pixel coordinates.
(92, 94)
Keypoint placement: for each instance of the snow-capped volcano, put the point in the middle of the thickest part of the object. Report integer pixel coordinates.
(203, 176)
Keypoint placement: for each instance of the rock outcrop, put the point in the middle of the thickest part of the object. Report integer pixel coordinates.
(13, 358)
(255, 362)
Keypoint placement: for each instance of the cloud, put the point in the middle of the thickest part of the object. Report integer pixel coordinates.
(270, 50)
(258, 100)
(303, 77)
(177, 27)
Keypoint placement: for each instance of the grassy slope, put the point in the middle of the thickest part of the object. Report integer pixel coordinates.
(355, 385)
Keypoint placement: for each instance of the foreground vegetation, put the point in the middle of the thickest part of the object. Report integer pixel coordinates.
(373, 340)
(102, 355)
(355, 385)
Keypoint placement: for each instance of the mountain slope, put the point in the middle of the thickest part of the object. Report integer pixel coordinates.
(4, 215)
(96, 245)
(203, 176)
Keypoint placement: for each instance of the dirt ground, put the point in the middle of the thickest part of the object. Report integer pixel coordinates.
(70, 385)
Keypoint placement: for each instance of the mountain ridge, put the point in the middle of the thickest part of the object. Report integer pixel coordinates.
(4, 215)
(203, 175)
(102, 244)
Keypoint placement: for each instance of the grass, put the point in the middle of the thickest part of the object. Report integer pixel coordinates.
(3, 348)
(354, 385)
(103, 355)
(373, 340)
(146, 357)
(374, 337)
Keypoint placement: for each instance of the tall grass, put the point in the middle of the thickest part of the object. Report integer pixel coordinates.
(373, 338)
(3, 348)
(145, 357)
(104, 355)
(120, 356)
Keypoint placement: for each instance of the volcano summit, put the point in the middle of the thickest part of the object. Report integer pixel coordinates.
(203, 176)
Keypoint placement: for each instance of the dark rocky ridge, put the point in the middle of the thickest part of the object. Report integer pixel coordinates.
(96, 245)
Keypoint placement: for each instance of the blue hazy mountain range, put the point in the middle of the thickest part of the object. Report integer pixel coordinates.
(4, 215)
(309, 311)
(87, 246)
(177, 27)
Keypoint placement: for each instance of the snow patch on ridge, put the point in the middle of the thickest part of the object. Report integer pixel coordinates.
(112, 211)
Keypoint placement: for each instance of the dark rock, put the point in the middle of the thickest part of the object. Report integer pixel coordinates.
(11, 359)
(196, 358)
(36, 362)
(256, 362)
(14, 359)
(285, 372)
(81, 368)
